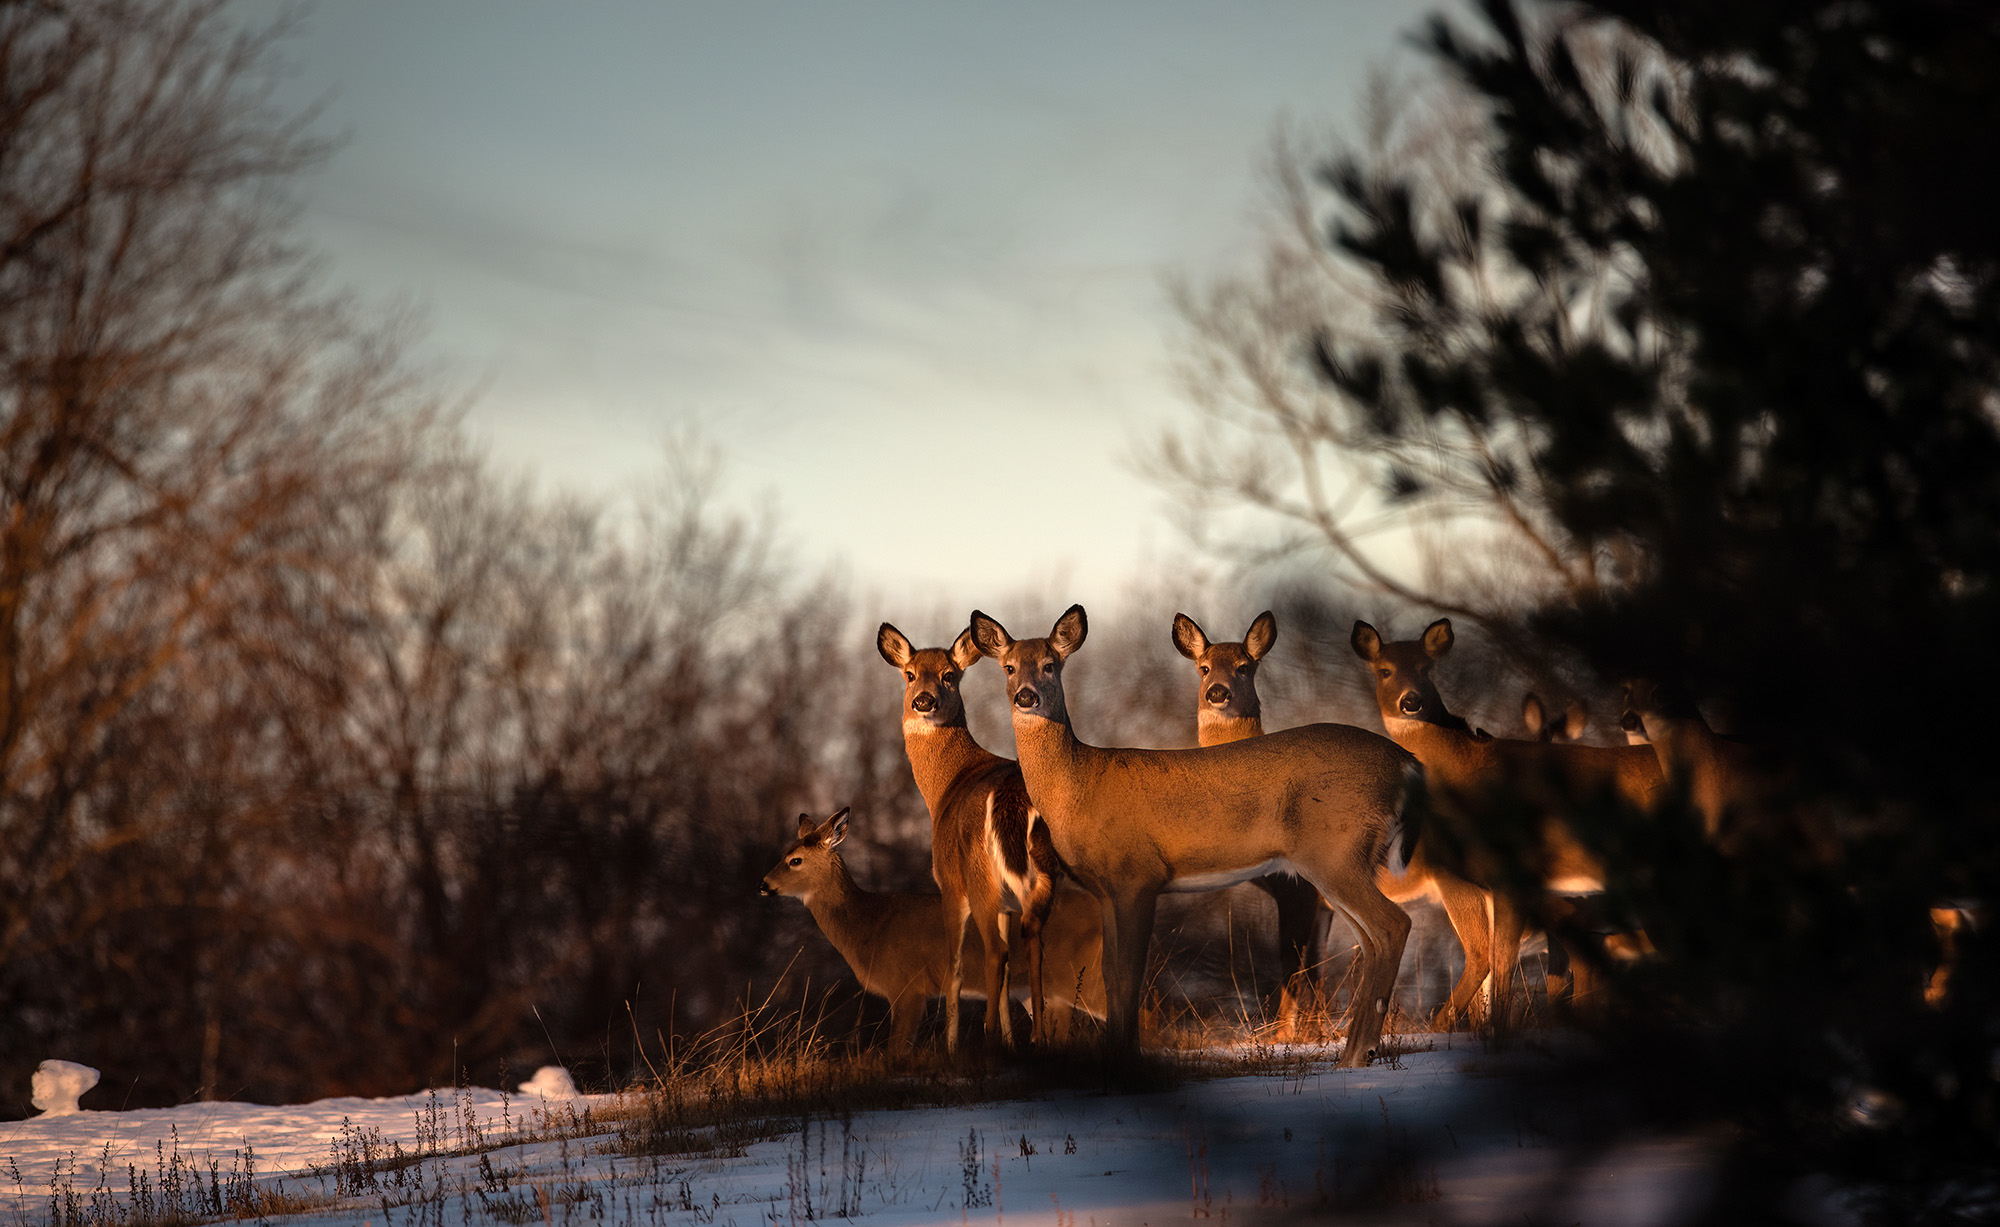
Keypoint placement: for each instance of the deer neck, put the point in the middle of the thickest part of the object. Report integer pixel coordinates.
(841, 909)
(1439, 747)
(1215, 729)
(1052, 763)
(1679, 741)
(939, 754)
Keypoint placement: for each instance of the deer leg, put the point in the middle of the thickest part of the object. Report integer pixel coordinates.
(1508, 925)
(993, 931)
(1043, 867)
(1383, 929)
(1301, 942)
(1128, 931)
(956, 911)
(1468, 909)
(1033, 919)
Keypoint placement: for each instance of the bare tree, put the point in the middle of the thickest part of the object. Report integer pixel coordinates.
(1304, 371)
(182, 413)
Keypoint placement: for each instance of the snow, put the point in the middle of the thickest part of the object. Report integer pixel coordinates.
(1442, 1136)
(57, 1085)
(550, 1082)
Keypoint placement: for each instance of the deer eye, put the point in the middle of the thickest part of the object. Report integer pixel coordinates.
(951, 679)
(797, 861)
(1048, 666)
(909, 675)
(1383, 672)
(1009, 669)
(1204, 669)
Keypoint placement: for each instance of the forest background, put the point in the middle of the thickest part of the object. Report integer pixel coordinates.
(1639, 344)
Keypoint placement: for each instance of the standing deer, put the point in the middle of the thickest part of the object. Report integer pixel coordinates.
(897, 944)
(1465, 769)
(1738, 787)
(1325, 801)
(1535, 718)
(990, 854)
(1228, 710)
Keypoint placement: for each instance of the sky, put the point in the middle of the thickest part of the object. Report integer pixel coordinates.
(903, 264)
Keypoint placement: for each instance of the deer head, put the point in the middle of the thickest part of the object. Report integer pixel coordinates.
(1228, 670)
(810, 864)
(931, 697)
(1535, 717)
(1033, 666)
(1403, 686)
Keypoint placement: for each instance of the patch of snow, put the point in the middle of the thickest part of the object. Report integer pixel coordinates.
(550, 1082)
(1443, 1136)
(57, 1085)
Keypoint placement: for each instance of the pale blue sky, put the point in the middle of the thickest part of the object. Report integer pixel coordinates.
(903, 262)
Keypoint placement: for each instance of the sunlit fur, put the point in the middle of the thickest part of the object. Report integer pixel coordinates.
(1465, 768)
(989, 855)
(899, 945)
(1324, 801)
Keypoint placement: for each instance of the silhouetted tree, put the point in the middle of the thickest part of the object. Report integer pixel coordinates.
(1720, 319)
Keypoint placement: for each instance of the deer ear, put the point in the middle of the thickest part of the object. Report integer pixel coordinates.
(806, 825)
(1534, 715)
(1067, 635)
(1437, 638)
(836, 828)
(1367, 643)
(1188, 637)
(964, 652)
(894, 647)
(988, 636)
(1574, 722)
(1262, 634)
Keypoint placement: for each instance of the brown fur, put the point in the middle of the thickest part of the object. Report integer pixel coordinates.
(964, 785)
(898, 944)
(1739, 788)
(1465, 769)
(1325, 801)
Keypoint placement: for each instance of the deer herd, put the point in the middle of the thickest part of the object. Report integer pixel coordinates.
(1051, 866)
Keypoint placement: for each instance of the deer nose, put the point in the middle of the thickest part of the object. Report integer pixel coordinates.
(766, 889)
(1629, 721)
(924, 701)
(1026, 698)
(1411, 704)
(1218, 694)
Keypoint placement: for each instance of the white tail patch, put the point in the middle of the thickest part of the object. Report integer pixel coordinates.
(1019, 886)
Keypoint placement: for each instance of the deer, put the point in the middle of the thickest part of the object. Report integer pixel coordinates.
(1228, 709)
(898, 944)
(1737, 787)
(1464, 768)
(990, 855)
(1740, 789)
(1326, 801)
(1535, 718)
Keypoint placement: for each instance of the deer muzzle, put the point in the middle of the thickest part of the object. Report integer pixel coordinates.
(924, 701)
(1026, 699)
(1411, 703)
(1218, 695)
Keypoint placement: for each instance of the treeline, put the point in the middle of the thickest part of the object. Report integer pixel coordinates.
(330, 760)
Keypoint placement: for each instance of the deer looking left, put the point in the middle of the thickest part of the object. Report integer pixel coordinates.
(990, 852)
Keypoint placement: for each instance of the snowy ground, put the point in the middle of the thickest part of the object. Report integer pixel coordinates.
(1445, 1137)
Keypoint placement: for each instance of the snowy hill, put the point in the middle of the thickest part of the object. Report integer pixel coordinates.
(1437, 1136)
